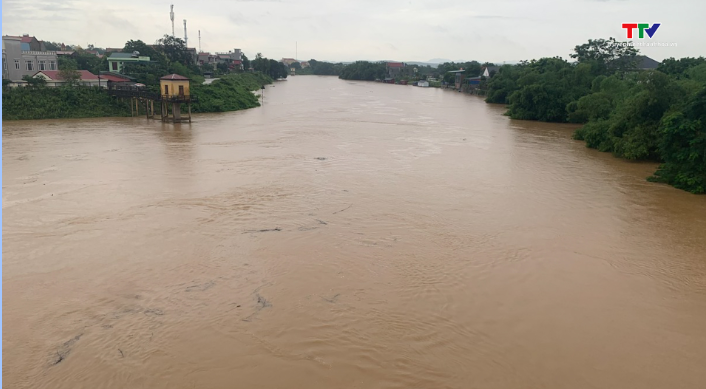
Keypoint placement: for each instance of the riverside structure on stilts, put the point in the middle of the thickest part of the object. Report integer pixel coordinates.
(174, 92)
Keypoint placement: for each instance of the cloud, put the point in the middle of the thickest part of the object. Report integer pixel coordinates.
(363, 29)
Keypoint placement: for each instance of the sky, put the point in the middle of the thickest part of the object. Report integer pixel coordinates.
(334, 30)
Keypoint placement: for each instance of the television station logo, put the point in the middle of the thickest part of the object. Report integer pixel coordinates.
(642, 28)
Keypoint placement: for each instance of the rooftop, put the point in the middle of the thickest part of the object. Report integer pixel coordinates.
(54, 74)
(114, 78)
(120, 55)
(173, 77)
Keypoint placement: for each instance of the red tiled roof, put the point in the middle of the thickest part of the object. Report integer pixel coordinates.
(173, 77)
(237, 62)
(114, 78)
(54, 74)
(27, 39)
(395, 65)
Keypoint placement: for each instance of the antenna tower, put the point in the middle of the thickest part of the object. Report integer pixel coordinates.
(171, 16)
(186, 39)
(200, 42)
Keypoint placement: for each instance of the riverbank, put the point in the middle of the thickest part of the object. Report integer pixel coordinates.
(229, 93)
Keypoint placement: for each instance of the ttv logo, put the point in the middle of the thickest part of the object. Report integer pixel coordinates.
(642, 29)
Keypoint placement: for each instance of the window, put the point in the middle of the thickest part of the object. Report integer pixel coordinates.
(114, 65)
(52, 65)
(166, 89)
(42, 65)
(30, 65)
(17, 64)
(181, 90)
(4, 64)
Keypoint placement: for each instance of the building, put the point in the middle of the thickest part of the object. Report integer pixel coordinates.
(117, 61)
(53, 78)
(489, 71)
(174, 90)
(114, 80)
(5, 69)
(174, 85)
(288, 61)
(234, 59)
(304, 64)
(394, 69)
(18, 63)
(645, 63)
(459, 77)
(30, 43)
(473, 83)
(206, 58)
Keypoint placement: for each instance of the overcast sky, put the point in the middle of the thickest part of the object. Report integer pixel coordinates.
(405, 30)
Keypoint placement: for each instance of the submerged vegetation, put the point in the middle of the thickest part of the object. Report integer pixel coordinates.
(636, 114)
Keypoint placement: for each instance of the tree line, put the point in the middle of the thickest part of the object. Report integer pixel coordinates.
(656, 115)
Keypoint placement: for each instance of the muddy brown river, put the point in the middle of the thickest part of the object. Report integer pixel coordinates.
(344, 235)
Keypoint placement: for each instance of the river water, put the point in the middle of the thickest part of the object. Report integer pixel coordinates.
(344, 235)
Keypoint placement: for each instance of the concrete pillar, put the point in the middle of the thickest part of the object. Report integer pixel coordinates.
(176, 111)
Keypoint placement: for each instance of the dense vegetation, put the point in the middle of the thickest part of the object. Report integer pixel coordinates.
(363, 70)
(233, 91)
(271, 67)
(656, 115)
(64, 102)
(318, 68)
(230, 93)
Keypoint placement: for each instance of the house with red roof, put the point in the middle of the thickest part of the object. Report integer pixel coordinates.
(394, 69)
(54, 78)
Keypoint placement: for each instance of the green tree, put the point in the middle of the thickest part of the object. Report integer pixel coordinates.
(52, 46)
(71, 77)
(682, 145)
(175, 49)
(296, 65)
(678, 67)
(144, 50)
(363, 70)
(33, 82)
(608, 55)
(67, 63)
(246, 62)
(223, 68)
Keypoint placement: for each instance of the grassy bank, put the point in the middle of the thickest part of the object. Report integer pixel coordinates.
(27, 103)
(230, 93)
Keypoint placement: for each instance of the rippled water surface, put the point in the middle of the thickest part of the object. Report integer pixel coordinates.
(344, 235)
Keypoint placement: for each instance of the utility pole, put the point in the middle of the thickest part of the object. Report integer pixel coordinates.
(200, 42)
(296, 50)
(186, 39)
